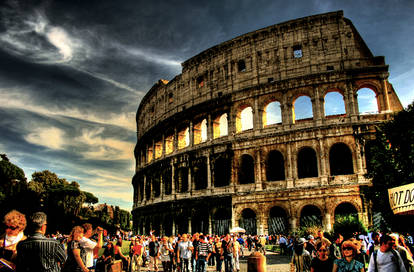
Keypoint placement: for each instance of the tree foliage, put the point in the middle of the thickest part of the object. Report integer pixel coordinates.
(64, 202)
(391, 160)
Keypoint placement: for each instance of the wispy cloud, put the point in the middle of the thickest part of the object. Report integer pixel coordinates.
(51, 137)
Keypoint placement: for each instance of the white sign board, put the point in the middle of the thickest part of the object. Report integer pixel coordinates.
(402, 199)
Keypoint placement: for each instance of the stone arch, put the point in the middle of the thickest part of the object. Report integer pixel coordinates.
(310, 215)
(340, 159)
(181, 179)
(302, 108)
(367, 97)
(345, 208)
(246, 169)
(334, 103)
(220, 126)
(200, 132)
(248, 221)
(183, 138)
(272, 113)
(275, 166)
(244, 118)
(278, 221)
(307, 163)
(200, 173)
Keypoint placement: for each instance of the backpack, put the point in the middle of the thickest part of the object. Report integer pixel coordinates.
(396, 257)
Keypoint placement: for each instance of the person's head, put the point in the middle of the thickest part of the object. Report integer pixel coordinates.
(357, 244)
(349, 249)
(184, 237)
(109, 245)
(322, 250)
(320, 233)
(386, 243)
(87, 230)
(38, 222)
(395, 237)
(375, 237)
(227, 237)
(77, 233)
(201, 238)
(164, 239)
(153, 238)
(14, 222)
(310, 238)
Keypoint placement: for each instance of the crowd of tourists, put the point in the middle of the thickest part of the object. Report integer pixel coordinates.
(80, 250)
(374, 252)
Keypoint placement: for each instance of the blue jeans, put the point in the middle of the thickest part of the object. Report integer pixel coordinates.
(201, 264)
(184, 265)
(228, 262)
(219, 262)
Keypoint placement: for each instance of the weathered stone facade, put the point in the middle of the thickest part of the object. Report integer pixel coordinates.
(199, 168)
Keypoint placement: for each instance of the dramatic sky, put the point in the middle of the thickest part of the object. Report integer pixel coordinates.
(72, 73)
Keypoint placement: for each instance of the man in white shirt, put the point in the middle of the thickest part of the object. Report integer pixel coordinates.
(90, 246)
(386, 259)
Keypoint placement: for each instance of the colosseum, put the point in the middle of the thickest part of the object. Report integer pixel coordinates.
(265, 131)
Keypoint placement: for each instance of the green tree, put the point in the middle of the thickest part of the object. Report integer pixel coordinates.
(391, 160)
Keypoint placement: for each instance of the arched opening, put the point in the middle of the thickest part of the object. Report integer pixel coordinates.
(367, 101)
(248, 221)
(200, 132)
(141, 190)
(181, 223)
(150, 153)
(167, 226)
(244, 119)
(222, 172)
(220, 126)
(307, 163)
(181, 179)
(169, 144)
(158, 149)
(340, 160)
(272, 114)
(334, 104)
(148, 188)
(302, 108)
(275, 166)
(278, 223)
(200, 174)
(222, 221)
(156, 185)
(246, 169)
(199, 222)
(345, 209)
(167, 181)
(310, 216)
(184, 138)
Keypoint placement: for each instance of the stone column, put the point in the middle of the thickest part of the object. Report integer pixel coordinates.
(210, 223)
(172, 179)
(161, 186)
(317, 107)
(209, 128)
(290, 167)
(189, 224)
(258, 172)
(191, 132)
(175, 143)
(327, 219)
(293, 223)
(208, 172)
(190, 180)
(257, 121)
(324, 165)
(386, 103)
(173, 226)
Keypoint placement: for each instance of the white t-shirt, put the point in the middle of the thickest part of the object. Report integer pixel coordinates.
(88, 245)
(385, 262)
(185, 252)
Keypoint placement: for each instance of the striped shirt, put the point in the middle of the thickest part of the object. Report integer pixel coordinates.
(38, 253)
(203, 249)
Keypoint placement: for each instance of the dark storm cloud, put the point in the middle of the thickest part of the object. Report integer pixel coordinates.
(73, 72)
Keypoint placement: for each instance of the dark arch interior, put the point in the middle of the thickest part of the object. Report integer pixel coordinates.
(200, 175)
(310, 216)
(275, 166)
(340, 160)
(345, 209)
(307, 163)
(277, 221)
(222, 221)
(222, 171)
(246, 170)
(248, 221)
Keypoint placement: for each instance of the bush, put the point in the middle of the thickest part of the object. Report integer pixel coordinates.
(308, 230)
(347, 225)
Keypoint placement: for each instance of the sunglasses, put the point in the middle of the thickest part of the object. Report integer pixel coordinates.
(347, 248)
(11, 227)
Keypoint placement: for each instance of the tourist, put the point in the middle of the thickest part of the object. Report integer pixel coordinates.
(374, 244)
(184, 253)
(202, 254)
(227, 249)
(236, 254)
(15, 224)
(153, 248)
(301, 258)
(90, 246)
(38, 253)
(386, 259)
(283, 245)
(118, 255)
(136, 252)
(322, 262)
(335, 248)
(107, 258)
(404, 253)
(76, 253)
(217, 253)
(164, 254)
(311, 246)
(348, 262)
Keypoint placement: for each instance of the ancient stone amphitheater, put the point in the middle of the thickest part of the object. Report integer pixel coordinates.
(264, 131)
